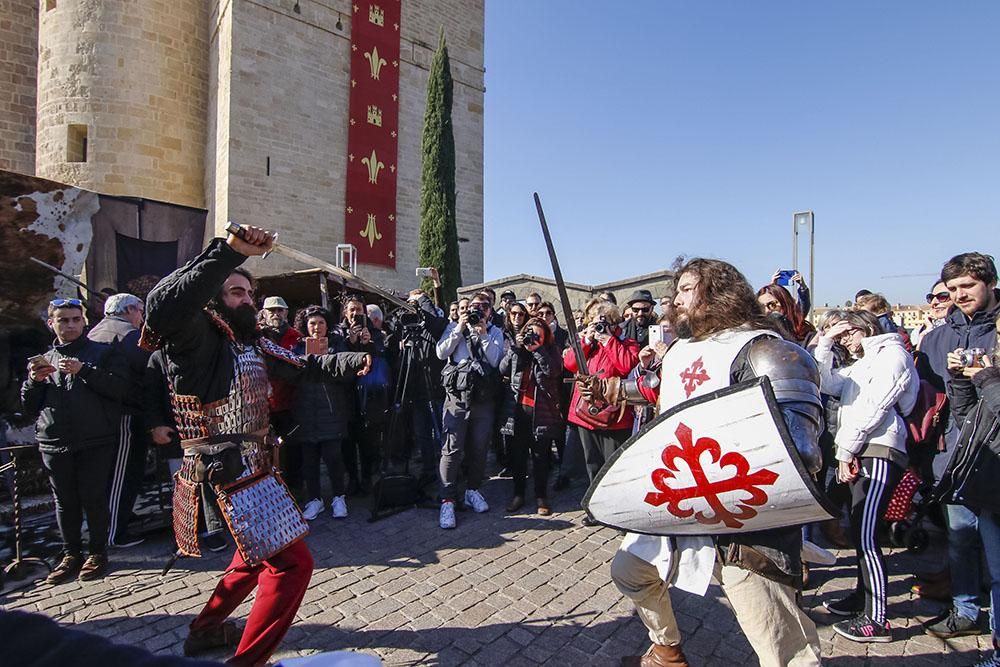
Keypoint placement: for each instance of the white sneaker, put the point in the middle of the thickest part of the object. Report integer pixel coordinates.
(313, 509)
(339, 507)
(447, 516)
(476, 501)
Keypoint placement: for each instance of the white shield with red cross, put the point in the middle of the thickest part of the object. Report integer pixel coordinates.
(719, 463)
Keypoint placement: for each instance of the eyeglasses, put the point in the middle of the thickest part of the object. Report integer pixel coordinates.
(59, 303)
(532, 304)
(850, 332)
(938, 296)
(641, 310)
(518, 313)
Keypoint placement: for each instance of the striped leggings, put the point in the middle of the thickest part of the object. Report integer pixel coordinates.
(870, 494)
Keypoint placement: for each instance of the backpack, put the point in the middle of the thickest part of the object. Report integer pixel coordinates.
(926, 422)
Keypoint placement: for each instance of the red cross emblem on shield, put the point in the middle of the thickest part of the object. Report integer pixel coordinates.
(691, 457)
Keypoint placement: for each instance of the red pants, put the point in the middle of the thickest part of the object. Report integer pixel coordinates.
(282, 581)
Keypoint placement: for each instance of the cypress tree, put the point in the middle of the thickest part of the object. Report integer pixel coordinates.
(438, 229)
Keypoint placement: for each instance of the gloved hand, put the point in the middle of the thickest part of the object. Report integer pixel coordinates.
(597, 390)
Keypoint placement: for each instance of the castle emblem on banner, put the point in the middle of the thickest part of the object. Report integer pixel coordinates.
(374, 115)
(376, 15)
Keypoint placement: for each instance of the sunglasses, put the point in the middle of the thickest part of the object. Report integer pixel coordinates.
(59, 303)
(938, 296)
(545, 313)
(531, 304)
(641, 310)
(518, 313)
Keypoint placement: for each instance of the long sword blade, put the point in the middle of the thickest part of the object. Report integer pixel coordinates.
(574, 337)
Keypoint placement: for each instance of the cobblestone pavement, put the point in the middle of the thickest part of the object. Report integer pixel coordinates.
(499, 590)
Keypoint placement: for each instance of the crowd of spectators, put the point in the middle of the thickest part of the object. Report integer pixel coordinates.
(491, 375)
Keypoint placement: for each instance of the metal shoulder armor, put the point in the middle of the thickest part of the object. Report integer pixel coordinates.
(792, 370)
(795, 380)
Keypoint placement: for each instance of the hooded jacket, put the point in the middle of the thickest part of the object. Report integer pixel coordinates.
(869, 422)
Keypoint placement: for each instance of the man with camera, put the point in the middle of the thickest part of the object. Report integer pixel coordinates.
(971, 279)
(472, 347)
(415, 340)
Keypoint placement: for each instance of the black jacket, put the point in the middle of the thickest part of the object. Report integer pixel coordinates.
(156, 408)
(125, 338)
(639, 334)
(199, 362)
(971, 476)
(425, 378)
(77, 412)
(545, 365)
(958, 331)
(323, 406)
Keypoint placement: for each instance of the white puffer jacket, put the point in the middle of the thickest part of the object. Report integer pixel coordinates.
(869, 390)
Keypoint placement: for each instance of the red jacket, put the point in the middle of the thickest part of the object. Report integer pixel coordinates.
(616, 358)
(283, 393)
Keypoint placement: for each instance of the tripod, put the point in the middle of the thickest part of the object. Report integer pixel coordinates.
(21, 566)
(398, 490)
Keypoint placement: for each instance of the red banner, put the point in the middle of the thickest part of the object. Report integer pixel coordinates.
(370, 213)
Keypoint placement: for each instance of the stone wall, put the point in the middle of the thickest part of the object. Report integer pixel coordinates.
(288, 94)
(134, 75)
(18, 65)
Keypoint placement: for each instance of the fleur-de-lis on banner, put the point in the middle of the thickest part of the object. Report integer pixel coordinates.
(371, 232)
(373, 167)
(375, 61)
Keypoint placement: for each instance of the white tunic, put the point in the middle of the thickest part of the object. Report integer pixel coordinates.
(691, 368)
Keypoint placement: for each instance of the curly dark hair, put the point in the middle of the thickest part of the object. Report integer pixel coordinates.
(302, 318)
(975, 264)
(724, 298)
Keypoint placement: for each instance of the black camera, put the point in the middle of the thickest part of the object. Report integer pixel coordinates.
(530, 338)
(474, 316)
(602, 326)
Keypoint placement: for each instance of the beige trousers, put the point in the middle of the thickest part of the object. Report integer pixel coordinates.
(780, 633)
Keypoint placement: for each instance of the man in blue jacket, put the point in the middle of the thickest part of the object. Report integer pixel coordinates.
(74, 392)
(971, 278)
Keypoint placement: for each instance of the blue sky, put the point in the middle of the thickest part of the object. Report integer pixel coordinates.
(653, 129)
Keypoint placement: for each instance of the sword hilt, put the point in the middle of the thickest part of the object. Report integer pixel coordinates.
(240, 232)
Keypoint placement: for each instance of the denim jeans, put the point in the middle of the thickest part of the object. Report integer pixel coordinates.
(989, 531)
(963, 559)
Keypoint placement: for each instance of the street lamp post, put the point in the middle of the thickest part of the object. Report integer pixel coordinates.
(804, 219)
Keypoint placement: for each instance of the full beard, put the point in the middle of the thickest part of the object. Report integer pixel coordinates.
(680, 322)
(242, 320)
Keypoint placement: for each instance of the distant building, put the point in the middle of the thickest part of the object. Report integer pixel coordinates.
(906, 316)
(660, 284)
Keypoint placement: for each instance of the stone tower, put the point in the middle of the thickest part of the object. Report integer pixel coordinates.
(122, 95)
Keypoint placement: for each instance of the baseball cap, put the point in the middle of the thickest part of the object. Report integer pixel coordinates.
(275, 302)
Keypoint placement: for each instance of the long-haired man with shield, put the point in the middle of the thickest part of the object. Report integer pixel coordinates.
(723, 340)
